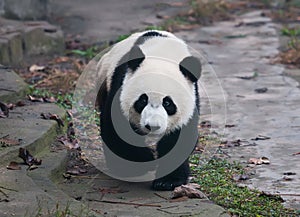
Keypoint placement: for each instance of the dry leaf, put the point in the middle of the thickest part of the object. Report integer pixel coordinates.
(55, 117)
(286, 178)
(35, 99)
(61, 59)
(20, 103)
(71, 131)
(260, 137)
(6, 142)
(113, 190)
(28, 158)
(176, 4)
(179, 199)
(13, 166)
(271, 196)
(73, 172)
(49, 99)
(297, 153)
(230, 125)
(69, 144)
(261, 90)
(256, 161)
(35, 68)
(247, 77)
(159, 16)
(265, 160)
(289, 173)
(240, 177)
(190, 190)
(4, 111)
(32, 167)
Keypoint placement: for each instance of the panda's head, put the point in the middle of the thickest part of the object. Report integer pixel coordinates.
(158, 96)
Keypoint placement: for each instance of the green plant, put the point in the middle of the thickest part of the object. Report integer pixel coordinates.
(154, 28)
(60, 211)
(88, 53)
(63, 100)
(216, 180)
(206, 12)
(294, 34)
(122, 37)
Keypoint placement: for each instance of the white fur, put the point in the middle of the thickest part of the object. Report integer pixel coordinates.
(156, 117)
(158, 76)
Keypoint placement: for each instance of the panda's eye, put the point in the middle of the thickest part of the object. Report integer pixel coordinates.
(169, 105)
(141, 103)
(166, 103)
(143, 99)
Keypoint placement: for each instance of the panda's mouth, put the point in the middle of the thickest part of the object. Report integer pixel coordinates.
(138, 130)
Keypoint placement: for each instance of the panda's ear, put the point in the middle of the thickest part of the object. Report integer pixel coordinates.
(191, 68)
(135, 58)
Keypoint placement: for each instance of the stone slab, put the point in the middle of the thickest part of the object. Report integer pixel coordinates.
(26, 125)
(19, 40)
(12, 86)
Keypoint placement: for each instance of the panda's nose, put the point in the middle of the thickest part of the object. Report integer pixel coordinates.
(152, 128)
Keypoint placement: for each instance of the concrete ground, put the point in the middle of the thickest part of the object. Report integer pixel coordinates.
(228, 96)
(106, 20)
(235, 52)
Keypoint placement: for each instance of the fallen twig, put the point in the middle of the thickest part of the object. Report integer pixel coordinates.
(67, 176)
(4, 200)
(6, 195)
(9, 189)
(174, 213)
(157, 194)
(5, 89)
(124, 203)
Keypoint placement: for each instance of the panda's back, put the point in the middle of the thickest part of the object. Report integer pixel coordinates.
(154, 44)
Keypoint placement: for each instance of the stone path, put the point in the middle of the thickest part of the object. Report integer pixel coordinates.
(247, 51)
(233, 52)
(109, 19)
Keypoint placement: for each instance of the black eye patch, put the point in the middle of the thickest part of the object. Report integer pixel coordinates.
(141, 103)
(169, 105)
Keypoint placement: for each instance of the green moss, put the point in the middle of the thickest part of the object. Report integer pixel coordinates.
(215, 179)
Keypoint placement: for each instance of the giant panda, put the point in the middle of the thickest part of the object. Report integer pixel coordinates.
(151, 80)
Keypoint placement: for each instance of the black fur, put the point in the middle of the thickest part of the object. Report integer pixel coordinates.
(141, 103)
(152, 34)
(180, 175)
(129, 64)
(169, 105)
(148, 35)
(197, 97)
(191, 68)
(135, 58)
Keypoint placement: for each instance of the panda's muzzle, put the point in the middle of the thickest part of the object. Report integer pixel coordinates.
(152, 128)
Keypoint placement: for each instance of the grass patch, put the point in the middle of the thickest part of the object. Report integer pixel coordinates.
(122, 37)
(206, 12)
(89, 53)
(199, 12)
(63, 100)
(291, 56)
(61, 211)
(216, 180)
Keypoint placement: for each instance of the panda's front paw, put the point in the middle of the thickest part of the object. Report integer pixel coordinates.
(166, 184)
